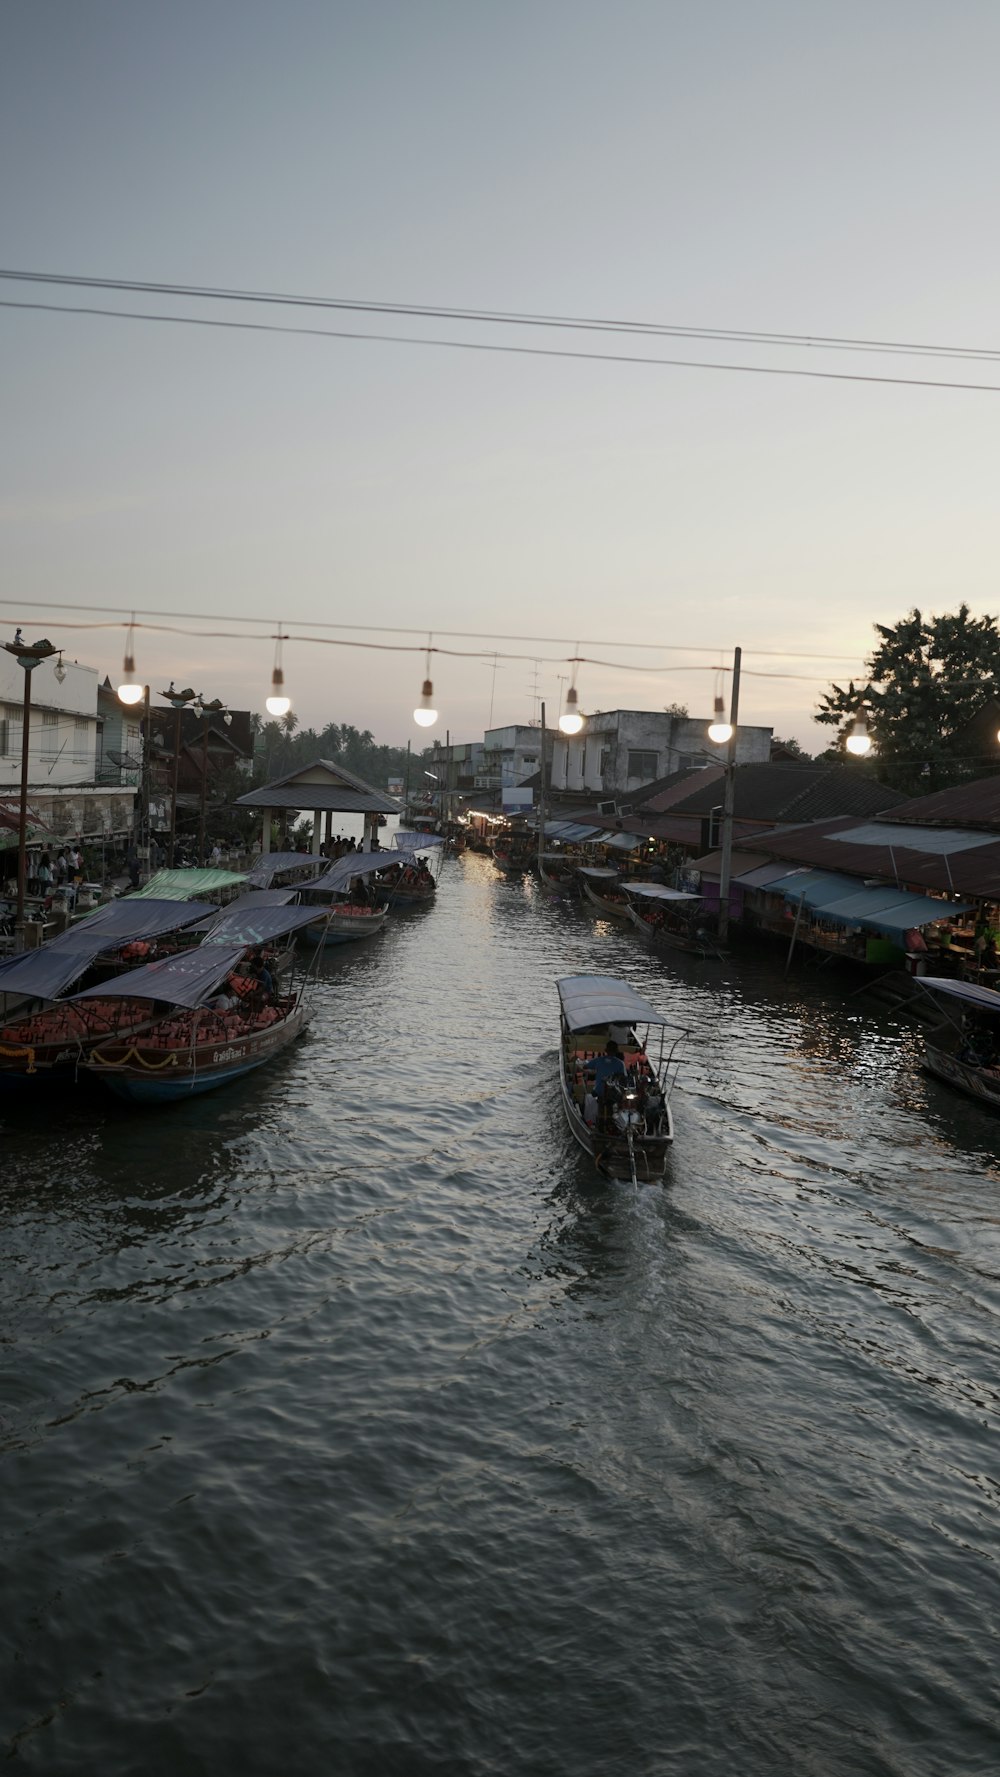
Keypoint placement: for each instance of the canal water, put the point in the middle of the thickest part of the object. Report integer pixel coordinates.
(349, 1426)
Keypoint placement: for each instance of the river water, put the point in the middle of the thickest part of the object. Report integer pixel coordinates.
(349, 1426)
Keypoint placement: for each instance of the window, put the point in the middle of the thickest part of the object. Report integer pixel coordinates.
(605, 765)
(644, 766)
(4, 737)
(80, 737)
(50, 731)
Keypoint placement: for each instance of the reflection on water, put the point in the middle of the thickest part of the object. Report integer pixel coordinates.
(350, 1423)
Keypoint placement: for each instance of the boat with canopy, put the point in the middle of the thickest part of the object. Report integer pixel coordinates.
(353, 911)
(964, 1048)
(39, 1035)
(197, 1021)
(602, 888)
(284, 869)
(615, 1097)
(412, 882)
(668, 918)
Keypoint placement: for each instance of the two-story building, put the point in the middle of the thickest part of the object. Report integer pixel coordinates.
(511, 755)
(67, 799)
(619, 751)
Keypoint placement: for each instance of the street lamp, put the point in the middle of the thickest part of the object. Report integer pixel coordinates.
(724, 732)
(27, 657)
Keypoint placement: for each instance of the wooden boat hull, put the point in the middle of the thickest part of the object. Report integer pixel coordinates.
(346, 927)
(556, 884)
(611, 909)
(661, 937)
(143, 1075)
(510, 866)
(411, 897)
(976, 1082)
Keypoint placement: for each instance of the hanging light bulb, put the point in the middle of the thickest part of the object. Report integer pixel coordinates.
(719, 730)
(60, 671)
(571, 721)
(130, 691)
(858, 739)
(425, 715)
(278, 704)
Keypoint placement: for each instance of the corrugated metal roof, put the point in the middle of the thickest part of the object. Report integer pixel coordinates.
(323, 797)
(964, 805)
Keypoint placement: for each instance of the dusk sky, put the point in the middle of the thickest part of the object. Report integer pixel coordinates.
(786, 167)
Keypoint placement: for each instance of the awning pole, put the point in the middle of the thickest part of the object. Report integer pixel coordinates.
(795, 931)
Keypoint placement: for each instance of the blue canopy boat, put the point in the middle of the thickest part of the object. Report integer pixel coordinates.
(197, 1043)
(415, 884)
(348, 919)
(624, 1123)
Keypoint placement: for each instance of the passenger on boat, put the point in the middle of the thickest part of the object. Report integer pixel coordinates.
(590, 1103)
(607, 1066)
(258, 969)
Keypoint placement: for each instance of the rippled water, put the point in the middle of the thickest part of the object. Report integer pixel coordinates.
(349, 1426)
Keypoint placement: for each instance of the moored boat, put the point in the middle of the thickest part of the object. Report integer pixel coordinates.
(602, 888)
(353, 910)
(964, 1048)
(411, 882)
(557, 872)
(615, 1097)
(668, 918)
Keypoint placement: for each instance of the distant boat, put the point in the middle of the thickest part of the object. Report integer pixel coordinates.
(602, 888)
(633, 1127)
(668, 918)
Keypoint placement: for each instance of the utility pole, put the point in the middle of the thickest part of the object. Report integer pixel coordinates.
(729, 797)
(541, 795)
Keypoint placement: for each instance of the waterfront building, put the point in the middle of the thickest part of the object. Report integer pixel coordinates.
(621, 752)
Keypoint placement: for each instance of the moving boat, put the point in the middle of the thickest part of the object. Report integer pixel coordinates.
(193, 1044)
(668, 918)
(602, 888)
(964, 1048)
(629, 1128)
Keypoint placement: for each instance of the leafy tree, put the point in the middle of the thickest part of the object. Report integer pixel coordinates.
(929, 678)
(678, 710)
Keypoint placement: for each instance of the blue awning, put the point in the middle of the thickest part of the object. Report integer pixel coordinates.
(185, 980)
(259, 925)
(621, 841)
(45, 973)
(891, 910)
(813, 888)
(134, 917)
(354, 863)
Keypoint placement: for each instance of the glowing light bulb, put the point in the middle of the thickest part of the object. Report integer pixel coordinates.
(858, 739)
(571, 721)
(719, 730)
(425, 715)
(129, 691)
(277, 704)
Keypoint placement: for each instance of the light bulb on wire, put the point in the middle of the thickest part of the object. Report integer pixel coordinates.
(858, 740)
(278, 703)
(571, 721)
(719, 730)
(425, 715)
(130, 691)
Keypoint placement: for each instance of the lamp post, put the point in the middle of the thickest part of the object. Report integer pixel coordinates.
(726, 731)
(27, 658)
(216, 707)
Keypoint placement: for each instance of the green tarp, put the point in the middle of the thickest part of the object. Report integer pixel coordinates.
(187, 885)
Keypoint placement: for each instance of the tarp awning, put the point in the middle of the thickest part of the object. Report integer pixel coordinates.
(621, 841)
(408, 841)
(275, 863)
(354, 863)
(259, 925)
(814, 888)
(134, 917)
(572, 830)
(891, 910)
(762, 876)
(46, 973)
(589, 1000)
(597, 872)
(183, 885)
(983, 997)
(657, 891)
(185, 980)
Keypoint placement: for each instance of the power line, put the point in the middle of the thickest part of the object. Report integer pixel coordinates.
(467, 345)
(487, 635)
(503, 317)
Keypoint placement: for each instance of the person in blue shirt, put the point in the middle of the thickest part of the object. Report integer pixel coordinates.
(605, 1066)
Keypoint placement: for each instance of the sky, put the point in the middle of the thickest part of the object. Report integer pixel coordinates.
(788, 167)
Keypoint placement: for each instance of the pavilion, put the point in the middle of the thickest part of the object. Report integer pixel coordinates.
(321, 789)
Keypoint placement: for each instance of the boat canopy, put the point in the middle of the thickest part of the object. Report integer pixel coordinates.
(589, 1000)
(597, 872)
(354, 863)
(45, 973)
(274, 863)
(185, 980)
(405, 841)
(135, 917)
(183, 885)
(657, 891)
(248, 902)
(984, 997)
(259, 925)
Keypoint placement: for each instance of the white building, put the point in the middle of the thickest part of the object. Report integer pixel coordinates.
(620, 750)
(510, 755)
(62, 739)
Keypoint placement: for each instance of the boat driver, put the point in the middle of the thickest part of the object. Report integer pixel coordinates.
(607, 1066)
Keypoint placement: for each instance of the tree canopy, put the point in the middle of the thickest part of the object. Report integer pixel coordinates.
(929, 679)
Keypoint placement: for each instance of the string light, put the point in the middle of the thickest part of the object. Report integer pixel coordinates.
(858, 739)
(278, 704)
(571, 721)
(719, 730)
(130, 691)
(425, 715)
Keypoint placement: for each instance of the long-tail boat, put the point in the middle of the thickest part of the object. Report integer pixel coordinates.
(615, 1096)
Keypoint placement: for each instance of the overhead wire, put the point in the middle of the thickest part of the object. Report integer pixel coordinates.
(491, 346)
